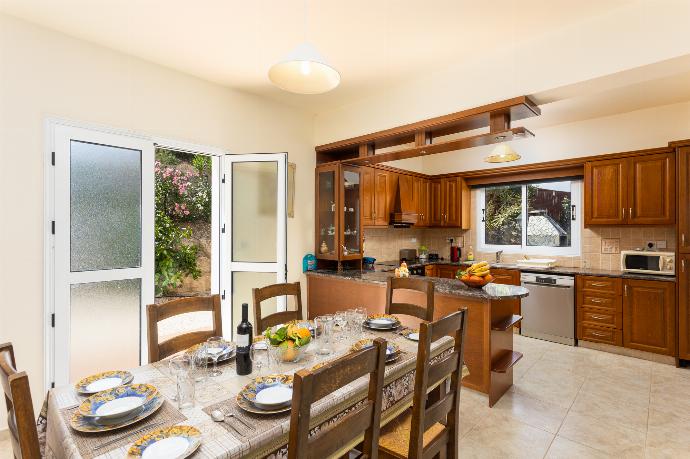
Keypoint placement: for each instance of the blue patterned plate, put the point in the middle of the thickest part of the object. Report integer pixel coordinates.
(274, 399)
(171, 442)
(117, 402)
(82, 423)
(392, 349)
(411, 334)
(103, 381)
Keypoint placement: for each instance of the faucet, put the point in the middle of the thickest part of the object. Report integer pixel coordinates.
(498, 256)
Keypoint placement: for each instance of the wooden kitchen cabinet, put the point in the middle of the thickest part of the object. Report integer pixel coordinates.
(421, 201)
(368, 196)
(684, 307)
(599, 309)
(649, 316)
(447, 271)
(683, 161)
(450, 203)
(383, 186)
(636, 190)
(431, 271)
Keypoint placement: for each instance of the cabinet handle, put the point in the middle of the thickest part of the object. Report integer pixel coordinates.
(597, 317)
(599, 284)
(682, 265)
(682, 240)
(604, 335)
(625, 289)
(630, 213)
(623, 213)
(596, 300)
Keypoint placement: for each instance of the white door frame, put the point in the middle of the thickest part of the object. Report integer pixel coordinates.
(228, 266)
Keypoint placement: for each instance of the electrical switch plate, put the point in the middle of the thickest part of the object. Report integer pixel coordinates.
(661, 244)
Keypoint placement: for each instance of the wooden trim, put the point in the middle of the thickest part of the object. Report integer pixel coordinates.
(679, 143)
(519, 107)
(527, 175)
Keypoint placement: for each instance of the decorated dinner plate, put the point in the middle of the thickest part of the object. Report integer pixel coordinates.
(381, 321)
(103, 381)
(226, 351)
(89, 424)
(267, 394)
(411, 334)
(117, 402)
(171, 442)
(392, 349)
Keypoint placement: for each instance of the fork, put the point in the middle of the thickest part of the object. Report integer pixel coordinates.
(229, 414)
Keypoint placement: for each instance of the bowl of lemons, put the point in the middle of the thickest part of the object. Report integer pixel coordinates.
(288, 342)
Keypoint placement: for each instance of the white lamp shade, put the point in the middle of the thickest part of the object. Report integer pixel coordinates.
(502, 153)
(304, 71)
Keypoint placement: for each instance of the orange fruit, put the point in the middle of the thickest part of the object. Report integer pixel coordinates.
(303, 333)
(489, 278)
(475, 279)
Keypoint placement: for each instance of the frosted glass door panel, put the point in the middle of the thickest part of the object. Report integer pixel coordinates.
(254, 211)
(242, 285)
(105, 207)
(104, 326)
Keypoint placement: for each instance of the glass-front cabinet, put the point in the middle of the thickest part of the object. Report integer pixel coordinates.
(338, 222)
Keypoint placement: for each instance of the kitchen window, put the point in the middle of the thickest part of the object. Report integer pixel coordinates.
(537, 218)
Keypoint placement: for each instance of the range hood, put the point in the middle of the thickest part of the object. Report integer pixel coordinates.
(404, 212)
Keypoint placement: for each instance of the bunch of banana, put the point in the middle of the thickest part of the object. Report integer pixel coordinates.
(478, 269)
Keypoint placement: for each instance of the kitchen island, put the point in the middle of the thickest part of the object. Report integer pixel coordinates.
(489, 353)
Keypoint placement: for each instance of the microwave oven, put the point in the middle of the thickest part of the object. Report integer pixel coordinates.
(637, 261)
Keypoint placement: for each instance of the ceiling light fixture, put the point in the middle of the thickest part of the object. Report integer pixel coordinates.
(503, 153)
(304, 70)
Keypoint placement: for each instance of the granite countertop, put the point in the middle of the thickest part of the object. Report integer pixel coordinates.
(558, 270)
(442, 286)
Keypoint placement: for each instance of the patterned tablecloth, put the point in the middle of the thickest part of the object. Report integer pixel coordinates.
(270, 436)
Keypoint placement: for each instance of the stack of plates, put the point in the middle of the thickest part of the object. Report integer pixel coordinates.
(103, 381)
(411, 334)
(392, 349)
(267, 395)
(381, 322)
(225, 351)
(115, 408)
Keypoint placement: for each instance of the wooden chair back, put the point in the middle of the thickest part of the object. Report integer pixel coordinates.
(261, 323)
(158, 312)
(445, 410)
(309, 387)
(408, 283)
(20, 409)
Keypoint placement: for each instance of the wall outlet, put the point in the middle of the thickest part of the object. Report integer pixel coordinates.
(661, 244)
(650, 245)
(413, 239)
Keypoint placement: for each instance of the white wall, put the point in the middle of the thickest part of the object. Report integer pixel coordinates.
(43, 73)
(648, 128)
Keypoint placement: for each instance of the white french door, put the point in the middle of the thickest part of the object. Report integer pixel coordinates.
(254, 239)
(103, 250)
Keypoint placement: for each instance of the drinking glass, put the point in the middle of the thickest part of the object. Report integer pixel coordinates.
(340, 321)
(200, 361)
(182, 366)
(258, 352)
(323, 330)
(361, 315)
(214, 348)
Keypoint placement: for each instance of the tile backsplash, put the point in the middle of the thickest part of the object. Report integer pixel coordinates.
(600, 245)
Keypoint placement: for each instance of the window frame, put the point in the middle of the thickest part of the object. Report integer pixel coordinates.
(575, 248)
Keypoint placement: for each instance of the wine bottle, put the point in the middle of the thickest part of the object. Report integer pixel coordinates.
(243, 361)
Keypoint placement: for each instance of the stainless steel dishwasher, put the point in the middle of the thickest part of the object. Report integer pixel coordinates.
(548, 312)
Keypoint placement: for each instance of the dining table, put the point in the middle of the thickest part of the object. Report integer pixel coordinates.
(245, 434)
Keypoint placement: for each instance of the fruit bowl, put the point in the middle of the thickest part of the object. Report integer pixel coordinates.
(288, 352)
(476, 282)
(288, 342)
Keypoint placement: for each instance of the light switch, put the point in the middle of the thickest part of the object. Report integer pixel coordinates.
(661, 244)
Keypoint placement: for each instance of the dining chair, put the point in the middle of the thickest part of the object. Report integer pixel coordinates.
(407, 283)
(341, 436)
(158, 312)
(261, 323)
(20, 410)
(431, 426)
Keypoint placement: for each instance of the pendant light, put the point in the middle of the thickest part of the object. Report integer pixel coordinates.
(503, 153)
(304, 70)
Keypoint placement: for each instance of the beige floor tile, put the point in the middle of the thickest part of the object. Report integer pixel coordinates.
(502, 437)
(474, 407)
(617, 390)
(605, 436)
(670, 404)
(665, 426)
(667, 450)
(630, 415)
(562, 448)
(534, 412)
(543, 385)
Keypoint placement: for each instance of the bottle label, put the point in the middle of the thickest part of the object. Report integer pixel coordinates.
(242, 340)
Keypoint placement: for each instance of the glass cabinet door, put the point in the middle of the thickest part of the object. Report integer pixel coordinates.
(351, 237)
(327, 217)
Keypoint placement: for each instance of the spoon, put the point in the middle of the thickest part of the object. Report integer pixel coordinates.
(218, 416)
(234, 416)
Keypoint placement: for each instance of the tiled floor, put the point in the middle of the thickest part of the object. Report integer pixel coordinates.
(572, 402)
(576, 403)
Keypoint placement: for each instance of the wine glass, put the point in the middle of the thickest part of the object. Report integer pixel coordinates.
(214, 348)
(258, 352)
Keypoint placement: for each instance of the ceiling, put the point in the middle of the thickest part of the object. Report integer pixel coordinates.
(373, 44)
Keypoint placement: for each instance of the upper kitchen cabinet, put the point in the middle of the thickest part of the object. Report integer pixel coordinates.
(683, 158)
(636, 190)
(368, 196)
(450, 203)
(338, 212)
(421, 200)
